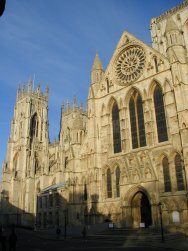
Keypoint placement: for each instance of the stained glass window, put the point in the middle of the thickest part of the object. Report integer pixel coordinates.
(166, 174)
(109, 184)
(34, 126)
(137, 121)
(179, 173)
(160, 114)
(117, 181)
(116, 129)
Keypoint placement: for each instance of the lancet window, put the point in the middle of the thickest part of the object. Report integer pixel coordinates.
(109, 184)
(116, 129)
(179, 173)
(117, 182)
(160, 114)
(34, 126)
(137, 121)
(166, 174)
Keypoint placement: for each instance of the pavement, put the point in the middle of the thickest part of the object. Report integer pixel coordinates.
(179, 244)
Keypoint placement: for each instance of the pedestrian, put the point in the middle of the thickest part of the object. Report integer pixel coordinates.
(12, 240)
(3, 238)
(84, 232)
(58, 232)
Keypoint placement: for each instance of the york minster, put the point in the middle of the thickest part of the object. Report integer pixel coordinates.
(123, 159)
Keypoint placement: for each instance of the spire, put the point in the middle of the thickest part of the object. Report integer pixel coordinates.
(81, 106)
(18, 92)
(68, 106)
(47, 91)
(62, 107)
(30, 83)
(97, 65)
(97, 71)
(170, 25)
(38, 91)
(74, 103)
(23, 89)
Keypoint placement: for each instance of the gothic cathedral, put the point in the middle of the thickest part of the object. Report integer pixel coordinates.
(125, 160)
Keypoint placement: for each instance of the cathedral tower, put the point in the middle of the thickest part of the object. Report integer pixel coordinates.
(27, 148)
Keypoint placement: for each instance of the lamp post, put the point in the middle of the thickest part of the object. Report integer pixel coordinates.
(161, 221)
(65, 223)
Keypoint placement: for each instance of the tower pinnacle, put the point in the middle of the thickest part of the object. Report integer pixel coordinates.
(97, 65)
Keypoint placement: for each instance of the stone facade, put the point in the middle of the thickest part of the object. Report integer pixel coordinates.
(123, 159)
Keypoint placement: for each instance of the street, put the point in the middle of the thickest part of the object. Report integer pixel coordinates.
(29, 240)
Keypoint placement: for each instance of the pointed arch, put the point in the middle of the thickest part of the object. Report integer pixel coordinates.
(103, 110)
(166, 174)
(112, 100)
(109, 183)
(160, 114)
(85, 192)
(15, 161)
(179, 172)
(117, 181)
(107, 85)
(37, 167)
(116, 128)
(167, 85)
(54, 181)
(137, 120)
(34, 126)
(38, 187)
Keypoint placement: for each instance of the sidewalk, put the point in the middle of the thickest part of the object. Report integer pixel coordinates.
(179, 244)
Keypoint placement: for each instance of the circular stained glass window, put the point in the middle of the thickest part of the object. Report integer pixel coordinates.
(130, 64)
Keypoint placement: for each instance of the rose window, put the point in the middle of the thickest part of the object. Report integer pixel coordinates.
(130, 64)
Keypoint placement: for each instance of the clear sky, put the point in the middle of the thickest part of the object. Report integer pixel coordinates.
(55, 41)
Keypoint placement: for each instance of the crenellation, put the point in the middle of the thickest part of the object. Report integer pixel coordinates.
(23, 92)
(171, 12)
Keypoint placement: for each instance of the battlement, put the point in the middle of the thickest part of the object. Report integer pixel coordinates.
(24, 91)
(170, 12)
(68, 109)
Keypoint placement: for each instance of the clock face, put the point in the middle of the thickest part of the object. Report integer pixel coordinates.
(130, 64)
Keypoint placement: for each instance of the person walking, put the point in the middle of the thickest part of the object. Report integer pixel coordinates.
(12, 240)
(3, 238)
(58, 232)
(84, 232)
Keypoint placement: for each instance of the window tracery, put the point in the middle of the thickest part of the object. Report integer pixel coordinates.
(137, 121)
(160, 114)
(166, 175)
(116, 129)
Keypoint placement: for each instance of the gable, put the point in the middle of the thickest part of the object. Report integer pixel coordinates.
(133, 61)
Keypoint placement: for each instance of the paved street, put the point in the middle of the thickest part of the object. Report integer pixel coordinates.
(36, 241)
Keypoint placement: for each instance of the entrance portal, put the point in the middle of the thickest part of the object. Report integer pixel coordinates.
(141, 210)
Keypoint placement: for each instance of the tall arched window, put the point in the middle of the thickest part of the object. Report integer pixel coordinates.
(137, 121)
(116, 129)
(160, 114)
(179, 173)
(85, 192)
(109, 184)
(15, 162)
(166, 174)
(15, 165)
(34, 126)
(117, 182)
(107, 85)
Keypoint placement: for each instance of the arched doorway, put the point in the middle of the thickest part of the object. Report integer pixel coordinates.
(141, 210)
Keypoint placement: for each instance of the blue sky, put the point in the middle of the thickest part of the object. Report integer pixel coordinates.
(55, 43)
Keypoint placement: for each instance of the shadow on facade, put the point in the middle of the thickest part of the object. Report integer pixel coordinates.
(10, 214)
(61, 207)
(69, 213)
